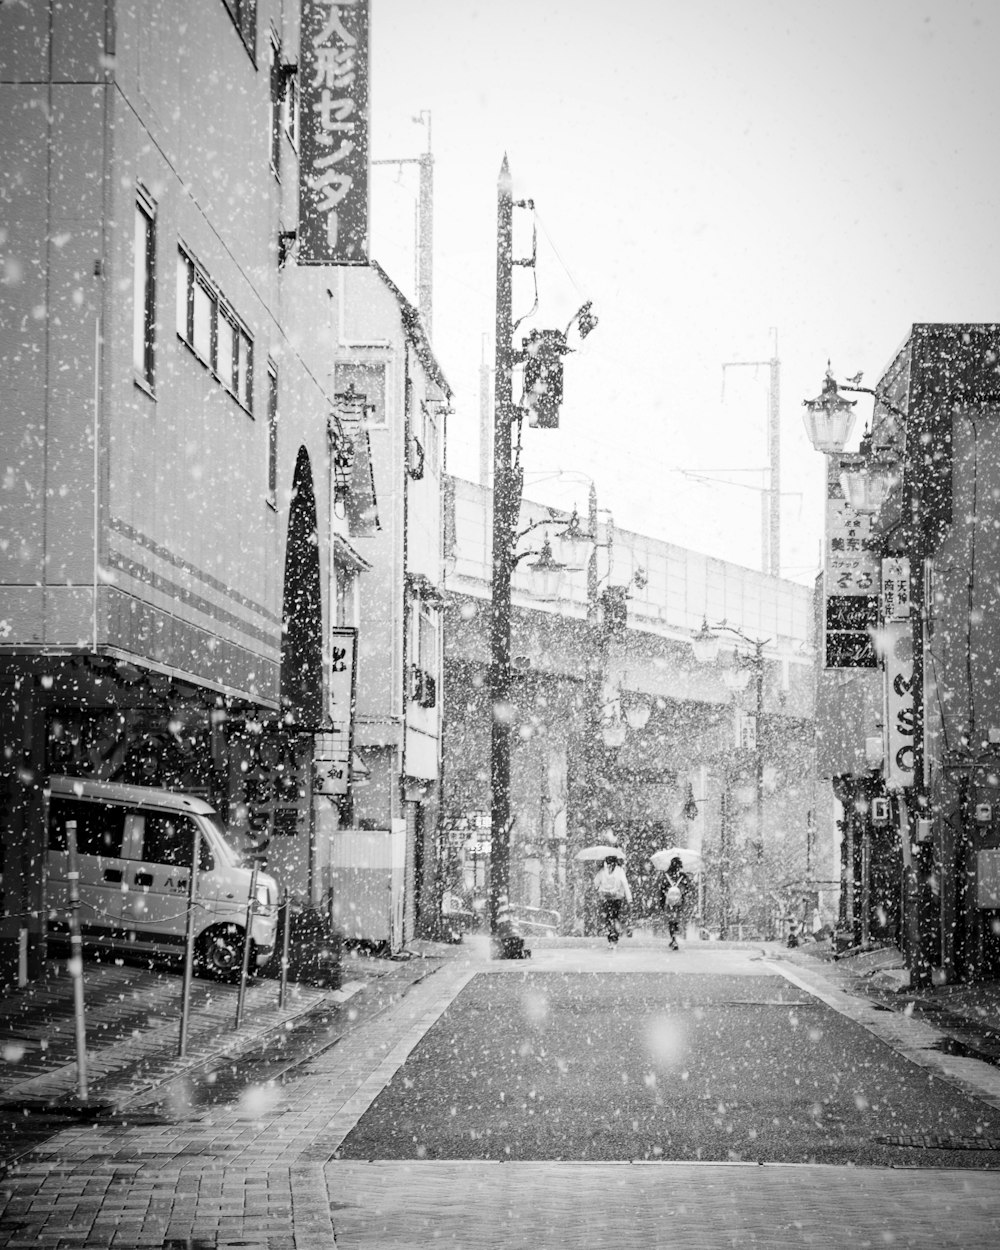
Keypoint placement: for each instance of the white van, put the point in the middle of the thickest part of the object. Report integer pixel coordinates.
(135, 845)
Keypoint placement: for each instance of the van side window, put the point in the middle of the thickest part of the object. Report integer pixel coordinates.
(100, 828)
(167, 840)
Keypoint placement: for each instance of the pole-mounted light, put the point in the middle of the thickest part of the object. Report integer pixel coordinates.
(705, 644)
(829, 418)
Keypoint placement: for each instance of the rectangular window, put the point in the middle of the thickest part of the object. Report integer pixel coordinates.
(204, 315)
(276, 107)
(143, 291)
(210, 327)
(290, 105)
(226, 353)
(272, 432)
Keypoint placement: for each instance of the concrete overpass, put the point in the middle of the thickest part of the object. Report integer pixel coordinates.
(580, 762)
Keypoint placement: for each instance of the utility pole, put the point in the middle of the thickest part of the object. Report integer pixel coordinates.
(771, 509)
(425, 223)
(506, 497)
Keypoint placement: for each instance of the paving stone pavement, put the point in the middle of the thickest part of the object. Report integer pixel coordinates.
(234, 1175)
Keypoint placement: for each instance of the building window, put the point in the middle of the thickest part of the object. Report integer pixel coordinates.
(209, 326)
(290, 104)
(424, 654)
(276, 107)
(143, 290)
(244, 15)
(272, 433)
(346, 593)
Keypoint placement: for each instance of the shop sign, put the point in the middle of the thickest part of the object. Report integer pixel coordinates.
(333, 139)
(896, 589)
(851, 585)
(333, 749)
(900, 713)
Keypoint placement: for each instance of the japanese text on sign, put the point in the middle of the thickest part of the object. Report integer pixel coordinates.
(333, 168)
(896, 589)
(900, 715)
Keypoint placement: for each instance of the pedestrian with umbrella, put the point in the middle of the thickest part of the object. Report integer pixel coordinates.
(614, 893)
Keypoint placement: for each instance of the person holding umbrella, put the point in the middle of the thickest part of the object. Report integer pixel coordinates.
(672, 898)
(613, 891)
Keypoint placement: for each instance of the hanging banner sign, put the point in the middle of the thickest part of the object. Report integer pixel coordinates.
(333, 133)
(900, 715)
(333, 749)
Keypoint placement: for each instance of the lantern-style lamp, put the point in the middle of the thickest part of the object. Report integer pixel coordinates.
(547, 572)
(736, 678)
(637, 713)
(829, 418)
(705, 644)
(614, 733)
(575, 541)
(867, 478)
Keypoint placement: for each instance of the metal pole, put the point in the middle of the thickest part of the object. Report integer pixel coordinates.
(285, 932)
(506, 495)
(247, 942)
(76, 958)
(189, 943)
(759, 782)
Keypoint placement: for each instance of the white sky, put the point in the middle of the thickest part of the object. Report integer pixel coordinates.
(703, 172)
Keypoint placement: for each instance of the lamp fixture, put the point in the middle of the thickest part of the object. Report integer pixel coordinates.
(867, 477)
(829, 418)
(548, 571)
(705, 644)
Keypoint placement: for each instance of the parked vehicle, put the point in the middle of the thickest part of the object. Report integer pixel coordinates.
(135, 847)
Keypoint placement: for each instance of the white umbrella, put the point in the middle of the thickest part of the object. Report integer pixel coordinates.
(600, 852)
(690, 860)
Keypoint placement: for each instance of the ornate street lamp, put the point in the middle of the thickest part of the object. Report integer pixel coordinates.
(637, 712)
(868, 477)
(705, 644)
(547, 571)
(829, 418)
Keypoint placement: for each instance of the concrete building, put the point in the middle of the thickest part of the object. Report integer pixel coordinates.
(190, 510)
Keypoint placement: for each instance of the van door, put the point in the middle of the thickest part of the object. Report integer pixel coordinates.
(158, 878)
(100, 834)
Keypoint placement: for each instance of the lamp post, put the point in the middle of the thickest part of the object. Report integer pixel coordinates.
(705, 645)
(543, 361)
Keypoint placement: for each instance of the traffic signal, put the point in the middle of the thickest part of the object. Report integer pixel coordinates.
(543, 377)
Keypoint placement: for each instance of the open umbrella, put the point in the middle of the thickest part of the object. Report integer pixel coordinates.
(600, 852)
(690, 860)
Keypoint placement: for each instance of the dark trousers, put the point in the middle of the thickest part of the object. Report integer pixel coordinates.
(611, 914)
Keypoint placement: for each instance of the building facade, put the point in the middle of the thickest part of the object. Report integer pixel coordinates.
(191, 482)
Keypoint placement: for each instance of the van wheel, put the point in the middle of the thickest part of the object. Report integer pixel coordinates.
(220, 953)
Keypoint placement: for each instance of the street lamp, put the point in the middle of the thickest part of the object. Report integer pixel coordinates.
(542, 359)
(705, 645)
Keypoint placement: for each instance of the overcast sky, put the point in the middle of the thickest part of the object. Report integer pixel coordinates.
(707, 174)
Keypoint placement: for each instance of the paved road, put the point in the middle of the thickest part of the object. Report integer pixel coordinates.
(665, 1065)
(266, 1167)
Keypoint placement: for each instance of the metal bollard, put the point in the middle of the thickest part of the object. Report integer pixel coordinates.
(286, 929)
(189, 944)
(76, 957)
(247, 942)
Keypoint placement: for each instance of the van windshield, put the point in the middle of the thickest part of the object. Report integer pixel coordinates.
(243, 846)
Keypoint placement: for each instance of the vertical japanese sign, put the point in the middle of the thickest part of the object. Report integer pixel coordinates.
(333, 140)
(900, 717)
(896, 589)
(333, 749)
(851, 584)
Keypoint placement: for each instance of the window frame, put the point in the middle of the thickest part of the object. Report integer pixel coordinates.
(272, 433)
(145, 210)
(237, 380)
(275, 107)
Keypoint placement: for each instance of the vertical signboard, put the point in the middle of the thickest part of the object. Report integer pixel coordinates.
(900, 716)
(897, 644)
(333, 749)
(851, 580)
(333, 137)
